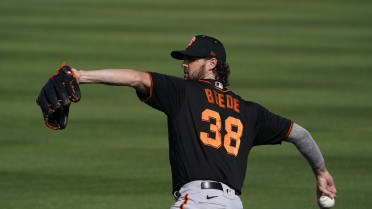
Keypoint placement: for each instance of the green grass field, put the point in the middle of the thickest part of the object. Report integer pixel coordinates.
(310, 61)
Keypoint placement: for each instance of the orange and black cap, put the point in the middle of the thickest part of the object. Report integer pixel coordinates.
(202, 46)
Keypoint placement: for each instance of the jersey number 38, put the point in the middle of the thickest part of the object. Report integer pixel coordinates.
(233, 127)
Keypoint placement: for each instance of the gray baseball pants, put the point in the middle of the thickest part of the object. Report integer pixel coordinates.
(192, 196)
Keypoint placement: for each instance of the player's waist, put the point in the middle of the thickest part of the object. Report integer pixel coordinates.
(202, 185)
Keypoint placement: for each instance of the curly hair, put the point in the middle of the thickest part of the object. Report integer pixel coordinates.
(222, 71)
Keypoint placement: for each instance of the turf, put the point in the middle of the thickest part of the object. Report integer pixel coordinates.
(307, 60)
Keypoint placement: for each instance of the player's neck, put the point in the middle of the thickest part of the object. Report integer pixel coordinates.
(209, 76)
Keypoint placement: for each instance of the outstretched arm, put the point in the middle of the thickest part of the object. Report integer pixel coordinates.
(62, 88)
(302, 139)
(119, 77)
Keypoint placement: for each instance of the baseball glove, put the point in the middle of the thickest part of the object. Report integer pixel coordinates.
(56, 96)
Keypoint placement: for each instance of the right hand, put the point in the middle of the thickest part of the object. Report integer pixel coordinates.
(325, 183)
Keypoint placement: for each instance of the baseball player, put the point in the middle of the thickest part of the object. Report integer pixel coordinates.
(211, 129)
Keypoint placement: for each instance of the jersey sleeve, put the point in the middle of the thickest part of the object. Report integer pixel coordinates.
(165, 94)
(270, 128)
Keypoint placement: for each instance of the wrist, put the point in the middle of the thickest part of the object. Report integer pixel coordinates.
(320, 170)
(77, 74)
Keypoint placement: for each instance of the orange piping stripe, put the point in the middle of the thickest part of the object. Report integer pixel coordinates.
(185, 202)
(224, 91)
(205, 81)
(151, 87)
(289, 131)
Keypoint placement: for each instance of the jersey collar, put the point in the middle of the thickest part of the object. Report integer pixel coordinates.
(218, 85)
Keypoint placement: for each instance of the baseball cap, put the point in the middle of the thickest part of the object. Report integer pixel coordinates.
(202, 46)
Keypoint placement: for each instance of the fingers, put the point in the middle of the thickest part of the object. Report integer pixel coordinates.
(61, 93)
(51, 95)
(42, 101)
(47, 110)
(326, 185)
(49, 101)
(332, 189)
(325, 191)
(330, 184)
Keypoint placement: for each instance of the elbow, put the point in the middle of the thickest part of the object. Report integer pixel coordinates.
(136, 80)
(140, 81)
(298, 133)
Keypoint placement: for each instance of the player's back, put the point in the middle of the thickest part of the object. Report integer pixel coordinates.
(209, 140)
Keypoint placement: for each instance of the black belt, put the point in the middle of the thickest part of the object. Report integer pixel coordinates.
(213, 185)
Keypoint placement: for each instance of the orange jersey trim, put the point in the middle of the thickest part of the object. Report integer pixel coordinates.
(185, 202)
(224, 91)
(289, 130)
(151, 88)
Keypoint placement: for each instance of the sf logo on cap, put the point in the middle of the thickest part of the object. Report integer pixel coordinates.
(191, 42)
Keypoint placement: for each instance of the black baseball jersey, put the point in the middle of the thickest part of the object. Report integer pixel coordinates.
(211, 130)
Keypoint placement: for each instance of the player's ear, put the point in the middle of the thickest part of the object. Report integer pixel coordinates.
(212, 63)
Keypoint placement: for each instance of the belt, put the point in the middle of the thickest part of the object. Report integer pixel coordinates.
(205, 185)
(213, 185)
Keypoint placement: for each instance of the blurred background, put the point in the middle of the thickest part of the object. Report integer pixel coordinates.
(310, 61)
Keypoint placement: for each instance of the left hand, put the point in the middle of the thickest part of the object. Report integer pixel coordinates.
(56, 96)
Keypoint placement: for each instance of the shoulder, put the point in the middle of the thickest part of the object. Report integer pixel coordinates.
(164, 76)
(254, 105)
(252, 108)
(251, 104)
